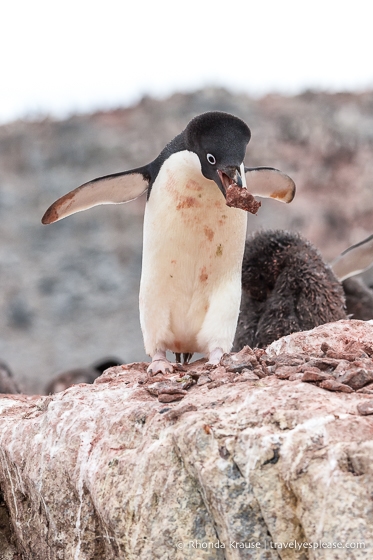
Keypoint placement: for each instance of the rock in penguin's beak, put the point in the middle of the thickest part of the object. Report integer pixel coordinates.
(229, 176)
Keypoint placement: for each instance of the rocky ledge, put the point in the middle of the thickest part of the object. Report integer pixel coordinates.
(266, 456)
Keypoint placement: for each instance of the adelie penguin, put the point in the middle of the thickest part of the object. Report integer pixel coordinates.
(193, 243)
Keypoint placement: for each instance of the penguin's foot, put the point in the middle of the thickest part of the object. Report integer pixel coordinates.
(160, 364)
(214, 356)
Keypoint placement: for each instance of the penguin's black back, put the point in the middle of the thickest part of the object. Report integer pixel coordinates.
(286, 287)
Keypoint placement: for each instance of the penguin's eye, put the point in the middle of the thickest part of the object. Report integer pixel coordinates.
(211, 159)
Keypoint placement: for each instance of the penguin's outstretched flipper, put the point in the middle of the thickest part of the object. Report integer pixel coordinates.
(111, 189)
(268, 182)
(354, 260)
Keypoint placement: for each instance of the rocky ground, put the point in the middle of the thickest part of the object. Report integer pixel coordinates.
(242, 460)
(69, 291)
(341, 362)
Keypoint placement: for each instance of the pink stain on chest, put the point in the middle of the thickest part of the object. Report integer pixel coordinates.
(187, 202)
(209, 233)
(193, 185)
(203, 276)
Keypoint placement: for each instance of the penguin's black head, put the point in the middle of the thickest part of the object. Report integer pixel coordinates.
(220, 141)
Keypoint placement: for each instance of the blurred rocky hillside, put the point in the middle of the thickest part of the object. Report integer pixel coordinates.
(69, 291)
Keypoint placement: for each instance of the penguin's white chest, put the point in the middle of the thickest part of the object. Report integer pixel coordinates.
(192, 256)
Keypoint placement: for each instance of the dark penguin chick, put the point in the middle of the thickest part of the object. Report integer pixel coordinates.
(286, 287)
(359, 299)
(102, 365)
(193, 242)
(64, 380)
(8, 384)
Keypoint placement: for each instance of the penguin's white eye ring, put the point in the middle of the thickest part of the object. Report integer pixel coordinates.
(211, 159)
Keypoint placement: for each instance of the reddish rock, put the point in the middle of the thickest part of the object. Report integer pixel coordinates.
(238, 197)
(357, 379)
(218, 373)
(259, 353)
(238, 361)
(365, 408)
(170, 397)
(345, 375)
(260, 371)
(351, 357)
(306, 367)
(170, 386)
(285, 359)
(284, 372)
(245, 375)
(296, 376)
(342, 367)
(311, 375)
(367, 390)
(203, 379)
(332, 385)
(325, 364)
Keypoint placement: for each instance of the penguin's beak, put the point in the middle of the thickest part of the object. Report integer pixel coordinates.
(229, 176)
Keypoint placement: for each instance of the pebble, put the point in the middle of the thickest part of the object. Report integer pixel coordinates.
(332, 385)
(284, 372)
(310, 375)
(366, 408)
(359, 378)
(167, 398)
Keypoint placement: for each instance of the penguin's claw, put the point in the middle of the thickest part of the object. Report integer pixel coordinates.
(160, 365)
